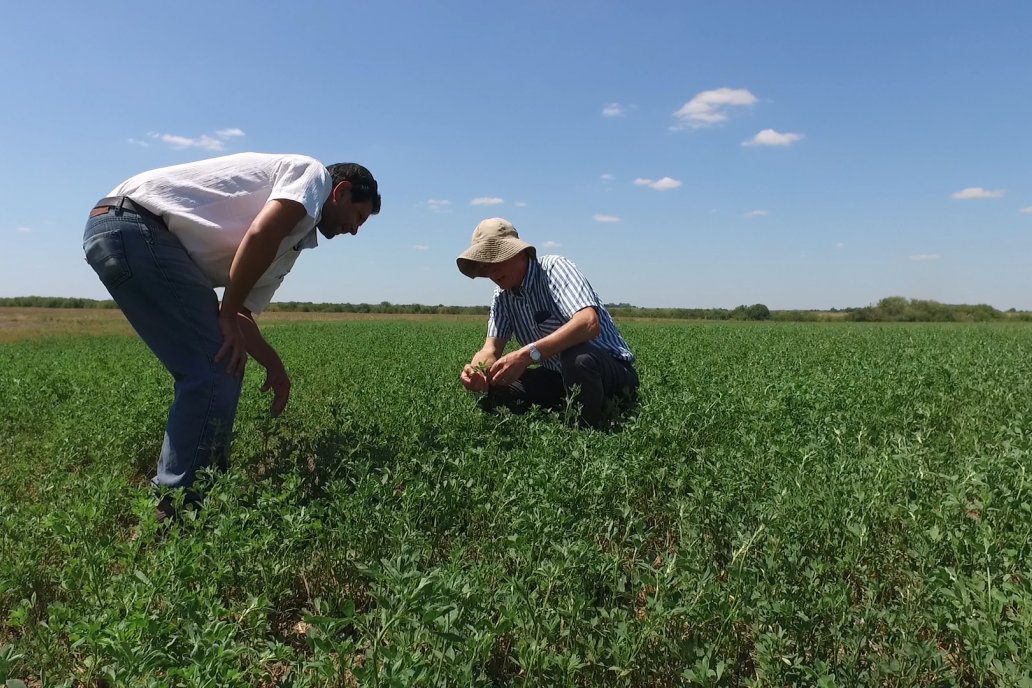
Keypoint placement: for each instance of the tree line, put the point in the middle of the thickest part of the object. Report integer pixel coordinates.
(889, 309)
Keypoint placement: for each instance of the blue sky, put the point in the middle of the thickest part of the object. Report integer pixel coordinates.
(689, 154)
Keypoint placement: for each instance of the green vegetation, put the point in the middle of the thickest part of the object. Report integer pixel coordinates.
(899, 309)
(53, 302)
(833, 505)
(890, 309)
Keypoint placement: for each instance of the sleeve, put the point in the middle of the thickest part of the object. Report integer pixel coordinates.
(569, 287)
(260, 297)
(499, 323)
(304, 180)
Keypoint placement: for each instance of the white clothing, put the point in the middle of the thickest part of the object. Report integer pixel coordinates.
(210, 204)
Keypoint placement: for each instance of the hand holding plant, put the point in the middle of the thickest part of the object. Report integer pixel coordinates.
(508, 368)
(476, 377)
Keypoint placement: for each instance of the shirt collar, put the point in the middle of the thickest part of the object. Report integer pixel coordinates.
(528, 280)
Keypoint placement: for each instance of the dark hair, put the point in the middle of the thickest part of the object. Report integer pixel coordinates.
(363, 184)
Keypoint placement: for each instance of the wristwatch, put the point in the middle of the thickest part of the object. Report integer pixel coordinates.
(535, 355)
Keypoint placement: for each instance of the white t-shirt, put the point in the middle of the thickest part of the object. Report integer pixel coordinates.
(210, 204)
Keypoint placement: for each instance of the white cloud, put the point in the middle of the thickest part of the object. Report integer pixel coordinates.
(605, 218)
(840, 245)
(520, 204)
(487, 200)
(23, 230)
(1026, 210)
(756, 213)
(551, 244)
(420, 247)
(137, 142)
(925, 257)
(710, 107)
(439, 206)
(205, 141)
(664, 184)
(607, 177)
(977, 192)
(613, 110)
(769, 137)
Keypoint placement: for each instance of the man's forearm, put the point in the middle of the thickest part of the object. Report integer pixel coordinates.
(259, 349)
(582, 327)
(489, 353)
(253, 258)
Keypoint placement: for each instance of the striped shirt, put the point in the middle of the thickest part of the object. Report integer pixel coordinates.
(552, 291)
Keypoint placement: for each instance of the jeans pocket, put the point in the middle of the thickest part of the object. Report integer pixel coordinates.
(105, 253)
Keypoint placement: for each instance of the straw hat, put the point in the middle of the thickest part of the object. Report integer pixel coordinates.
(494, 240)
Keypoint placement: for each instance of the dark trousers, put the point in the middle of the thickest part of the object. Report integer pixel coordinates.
(606, 387)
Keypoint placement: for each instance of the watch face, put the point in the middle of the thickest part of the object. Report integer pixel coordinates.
(535, 355)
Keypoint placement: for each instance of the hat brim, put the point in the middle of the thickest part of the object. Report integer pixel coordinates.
(493, 250)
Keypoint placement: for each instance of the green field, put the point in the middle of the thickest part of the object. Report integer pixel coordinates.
(793, 504)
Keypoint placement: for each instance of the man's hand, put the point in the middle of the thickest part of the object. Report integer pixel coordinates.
(508, 369)
(278, 381)
(234, 347)
(474, 379)
(276, 378)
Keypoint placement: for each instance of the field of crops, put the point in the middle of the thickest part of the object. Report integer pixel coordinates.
(814, 505)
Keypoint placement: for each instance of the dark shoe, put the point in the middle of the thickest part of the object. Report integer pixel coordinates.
(165, 512)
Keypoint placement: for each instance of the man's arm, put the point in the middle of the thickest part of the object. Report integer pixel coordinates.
(473, 376)
(253, 257)
(582, 327)
(276, 377)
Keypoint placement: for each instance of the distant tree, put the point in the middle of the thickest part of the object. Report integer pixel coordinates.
(892, 307)
(897, 308)
(758, 311)
(53, 302)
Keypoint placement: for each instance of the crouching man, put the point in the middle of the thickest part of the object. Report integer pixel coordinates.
(561, 326)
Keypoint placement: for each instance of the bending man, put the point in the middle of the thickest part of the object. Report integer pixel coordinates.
(163, 240)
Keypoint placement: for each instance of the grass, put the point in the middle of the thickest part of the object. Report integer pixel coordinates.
(828, 504)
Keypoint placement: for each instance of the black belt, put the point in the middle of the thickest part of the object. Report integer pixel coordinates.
(106, 205)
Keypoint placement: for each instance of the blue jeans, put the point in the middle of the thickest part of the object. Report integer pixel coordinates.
(173, 307)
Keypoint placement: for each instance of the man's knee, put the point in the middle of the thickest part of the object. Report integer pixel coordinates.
(578, 364)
